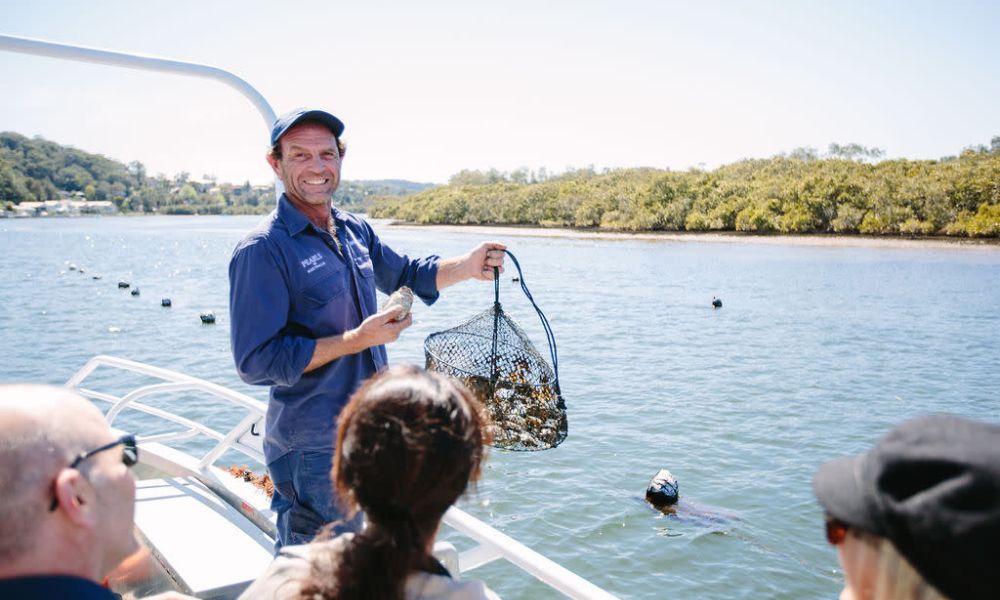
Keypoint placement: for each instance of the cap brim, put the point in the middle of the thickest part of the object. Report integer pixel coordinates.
(839, 487)
(333, 123)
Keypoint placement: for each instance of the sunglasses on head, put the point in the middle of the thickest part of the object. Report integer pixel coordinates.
(836, 531)
(130, 456)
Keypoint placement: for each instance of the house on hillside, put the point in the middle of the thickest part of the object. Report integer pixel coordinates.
(94, 207)
(29, 209)
(65, 208)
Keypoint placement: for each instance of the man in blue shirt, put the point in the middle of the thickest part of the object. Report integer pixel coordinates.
(304, 315)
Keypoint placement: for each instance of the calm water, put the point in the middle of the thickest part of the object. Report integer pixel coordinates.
(817, 351)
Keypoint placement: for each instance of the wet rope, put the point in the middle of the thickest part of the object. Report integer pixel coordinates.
(549, 336)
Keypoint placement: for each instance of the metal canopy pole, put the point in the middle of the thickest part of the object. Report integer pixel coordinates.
(144, 63)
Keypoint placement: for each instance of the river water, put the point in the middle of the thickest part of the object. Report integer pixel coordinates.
(816, 352)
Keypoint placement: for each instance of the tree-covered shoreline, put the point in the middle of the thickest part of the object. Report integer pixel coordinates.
(844, 192)
(36, 170)
(847, 191)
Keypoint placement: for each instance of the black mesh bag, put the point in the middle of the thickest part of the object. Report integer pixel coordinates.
(494, 358)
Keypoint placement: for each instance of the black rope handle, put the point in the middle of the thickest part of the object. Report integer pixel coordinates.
(549, 336)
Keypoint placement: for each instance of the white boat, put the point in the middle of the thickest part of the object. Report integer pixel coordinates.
(205, 532)
(208, 533)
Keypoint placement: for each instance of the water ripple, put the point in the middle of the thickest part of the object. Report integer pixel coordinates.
(816, 352)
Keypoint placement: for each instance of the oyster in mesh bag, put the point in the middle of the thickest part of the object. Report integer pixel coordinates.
(496, 360)
(403, 298)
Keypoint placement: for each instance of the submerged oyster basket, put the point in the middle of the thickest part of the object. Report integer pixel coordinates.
(495, 359)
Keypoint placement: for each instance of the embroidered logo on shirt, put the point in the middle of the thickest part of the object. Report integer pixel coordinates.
(313, 262)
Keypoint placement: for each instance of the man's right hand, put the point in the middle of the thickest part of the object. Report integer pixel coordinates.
(380, 328)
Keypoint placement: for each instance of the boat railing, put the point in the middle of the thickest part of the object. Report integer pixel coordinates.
(494, 545)
(490, 545)
(245, 437)
(35, 47)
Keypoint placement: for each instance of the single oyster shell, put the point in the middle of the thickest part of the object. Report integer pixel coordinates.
(403, 297)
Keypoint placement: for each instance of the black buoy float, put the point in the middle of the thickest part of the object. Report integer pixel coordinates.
(135, 292)
(123, 285)
(716, 302)
(663, 491)
(207, 317)
(165, 302)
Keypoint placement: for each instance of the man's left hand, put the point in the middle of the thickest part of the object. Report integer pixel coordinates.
(483, 258)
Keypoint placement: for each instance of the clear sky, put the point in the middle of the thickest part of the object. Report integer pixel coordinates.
(429, 88)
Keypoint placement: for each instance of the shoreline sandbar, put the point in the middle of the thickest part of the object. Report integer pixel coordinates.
(814, 240)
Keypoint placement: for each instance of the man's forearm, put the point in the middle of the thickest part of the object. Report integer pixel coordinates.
(477, 264)
(451, 271)
(378, 329)
(329, 349)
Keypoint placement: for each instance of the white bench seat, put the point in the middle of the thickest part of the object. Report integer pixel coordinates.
(204, 543)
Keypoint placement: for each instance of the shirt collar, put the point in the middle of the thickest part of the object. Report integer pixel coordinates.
(295, 221)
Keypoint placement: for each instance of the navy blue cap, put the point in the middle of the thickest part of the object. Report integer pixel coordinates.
(293, 118)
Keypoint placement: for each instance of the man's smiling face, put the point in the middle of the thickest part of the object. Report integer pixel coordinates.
(309, 165)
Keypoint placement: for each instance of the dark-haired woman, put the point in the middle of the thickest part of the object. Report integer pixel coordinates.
(408, 444)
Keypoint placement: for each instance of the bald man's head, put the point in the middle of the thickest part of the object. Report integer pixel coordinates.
(41, 429)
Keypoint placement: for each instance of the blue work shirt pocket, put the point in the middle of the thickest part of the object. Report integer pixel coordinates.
(366, 281)
(326, 306)
(321, 292)
(364, 263)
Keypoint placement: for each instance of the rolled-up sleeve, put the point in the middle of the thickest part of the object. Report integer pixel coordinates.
(393, 270)
(265, 354)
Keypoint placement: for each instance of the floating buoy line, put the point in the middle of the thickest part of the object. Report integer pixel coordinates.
(207, 317)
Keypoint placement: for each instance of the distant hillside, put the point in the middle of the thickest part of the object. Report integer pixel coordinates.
(360, 195)
(37, 169)
(33, 169)
(397, 187)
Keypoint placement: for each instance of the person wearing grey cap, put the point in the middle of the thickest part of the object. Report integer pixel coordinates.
(304, 313)
(918, 515)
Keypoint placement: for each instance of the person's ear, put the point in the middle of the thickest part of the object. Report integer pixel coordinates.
(76, 497)
(275, 164)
